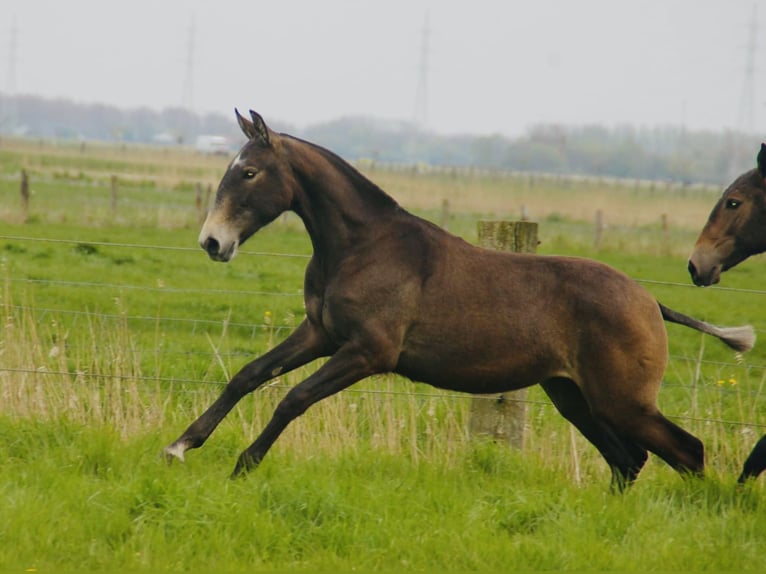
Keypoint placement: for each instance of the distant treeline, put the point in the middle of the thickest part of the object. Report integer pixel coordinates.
(666, 153)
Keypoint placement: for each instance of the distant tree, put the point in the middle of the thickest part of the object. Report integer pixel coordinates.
(665, 152)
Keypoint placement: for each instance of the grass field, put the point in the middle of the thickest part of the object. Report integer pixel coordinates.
(117, 331)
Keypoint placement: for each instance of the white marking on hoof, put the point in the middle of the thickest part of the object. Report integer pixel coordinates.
(174, 451)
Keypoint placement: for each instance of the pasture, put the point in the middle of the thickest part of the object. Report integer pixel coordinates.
(117, 331)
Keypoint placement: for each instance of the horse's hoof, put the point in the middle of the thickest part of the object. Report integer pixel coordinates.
(173, 452)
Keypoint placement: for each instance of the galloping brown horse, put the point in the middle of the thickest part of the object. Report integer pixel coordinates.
(735, 230)
(386, 291)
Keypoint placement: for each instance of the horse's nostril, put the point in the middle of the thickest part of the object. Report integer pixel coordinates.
(692, 269)
(211, 245)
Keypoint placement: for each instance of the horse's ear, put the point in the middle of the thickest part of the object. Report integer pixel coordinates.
(245, 125)
(255, 129)
(762, 160)
(261, 130)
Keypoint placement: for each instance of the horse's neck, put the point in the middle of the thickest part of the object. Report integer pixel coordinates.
(338, 218)
(338, 206)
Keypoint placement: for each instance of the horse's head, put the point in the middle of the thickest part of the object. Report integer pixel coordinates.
(254, 190)
(736, 228)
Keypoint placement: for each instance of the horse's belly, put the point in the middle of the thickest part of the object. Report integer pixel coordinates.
(480, 370)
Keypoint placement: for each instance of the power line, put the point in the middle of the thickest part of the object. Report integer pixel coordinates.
(746, 123)
(8, 116)
(420, 113)
(187, 91)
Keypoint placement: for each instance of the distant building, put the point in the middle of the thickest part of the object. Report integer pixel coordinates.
(164, 138)
(212, 144)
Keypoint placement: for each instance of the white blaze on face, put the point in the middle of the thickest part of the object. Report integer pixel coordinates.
(238, 161)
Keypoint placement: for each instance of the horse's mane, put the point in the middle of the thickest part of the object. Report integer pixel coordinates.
(357, 179)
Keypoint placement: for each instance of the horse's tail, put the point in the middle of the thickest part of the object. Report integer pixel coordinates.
(738, 338)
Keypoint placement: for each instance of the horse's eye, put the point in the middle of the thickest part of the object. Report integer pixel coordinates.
(249, 174)
(733, 203)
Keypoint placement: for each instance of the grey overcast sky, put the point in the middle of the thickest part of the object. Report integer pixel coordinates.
(493, 66)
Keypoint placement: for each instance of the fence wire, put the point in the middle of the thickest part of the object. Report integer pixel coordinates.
(170, 381)
(142, 246)
(297, 256)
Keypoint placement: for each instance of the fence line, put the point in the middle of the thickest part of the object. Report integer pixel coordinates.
(374, 392)
(174, 380)
(712, 288)
(418, 168)
(97, 285)
(301, 256)
(276, 328)
(154, 319)
(142, 246)
(275, 385)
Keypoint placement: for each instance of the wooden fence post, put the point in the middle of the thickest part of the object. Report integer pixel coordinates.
(503, 418)
(599, 229)
(445, 214)
(665, 234)
(198, 202)
(24, 195)
(113, 185)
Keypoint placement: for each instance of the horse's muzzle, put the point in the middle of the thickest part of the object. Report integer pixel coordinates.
(700, 279)
(215, 250)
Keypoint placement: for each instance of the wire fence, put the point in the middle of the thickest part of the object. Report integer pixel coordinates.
(42, 312)
(141, 246)
(172, 381)
(299, 256)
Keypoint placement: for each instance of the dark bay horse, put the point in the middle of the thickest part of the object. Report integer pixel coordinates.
(735, 230)
(386, 291)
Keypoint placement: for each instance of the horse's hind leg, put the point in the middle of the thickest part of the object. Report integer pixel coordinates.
(624, 457)
(681, 450)
(756, 462)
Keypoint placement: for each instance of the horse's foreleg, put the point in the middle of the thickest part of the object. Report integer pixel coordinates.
(304, 345)
(342, 370)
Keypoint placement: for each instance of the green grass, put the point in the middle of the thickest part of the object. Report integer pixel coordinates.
(81, 499)
(109, 349)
